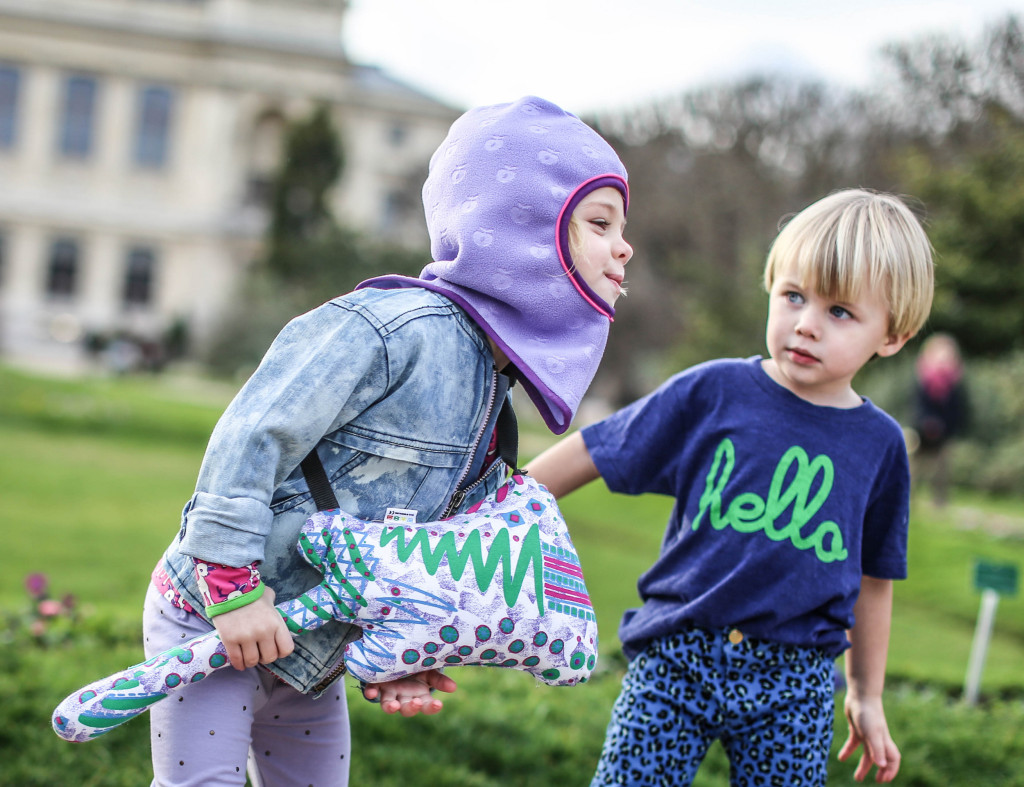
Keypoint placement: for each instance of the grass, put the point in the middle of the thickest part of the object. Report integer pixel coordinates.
(93, 474)
(34, 679)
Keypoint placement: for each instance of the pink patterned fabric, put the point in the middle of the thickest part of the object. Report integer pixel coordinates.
(163, 585)
(219, 583)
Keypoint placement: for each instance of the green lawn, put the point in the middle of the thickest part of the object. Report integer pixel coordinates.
(93, 475)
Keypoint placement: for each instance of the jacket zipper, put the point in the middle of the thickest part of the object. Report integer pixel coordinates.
(338, 670)
(456, 501)
(460, 494)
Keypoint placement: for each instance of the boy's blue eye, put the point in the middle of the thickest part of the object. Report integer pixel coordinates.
(794, 297)
(840, 312)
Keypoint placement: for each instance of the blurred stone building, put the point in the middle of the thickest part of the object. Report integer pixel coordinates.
(137, 143)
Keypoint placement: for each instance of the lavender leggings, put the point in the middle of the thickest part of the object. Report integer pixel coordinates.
(206, 734)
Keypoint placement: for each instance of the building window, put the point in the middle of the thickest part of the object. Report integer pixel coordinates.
(264, 155)
(10, 83)
(138, 276)
(396, 209)
(153, 126)
(398, 133)
(78, 115)
(259, 190)
(62, 277)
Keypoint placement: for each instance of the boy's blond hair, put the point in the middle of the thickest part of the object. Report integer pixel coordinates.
(854, 239)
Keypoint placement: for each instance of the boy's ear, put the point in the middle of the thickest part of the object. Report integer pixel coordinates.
(893, 344)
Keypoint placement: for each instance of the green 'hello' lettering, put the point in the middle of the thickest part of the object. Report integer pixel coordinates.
(750, 513)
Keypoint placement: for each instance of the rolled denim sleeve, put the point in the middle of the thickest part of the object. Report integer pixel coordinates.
(323, 369)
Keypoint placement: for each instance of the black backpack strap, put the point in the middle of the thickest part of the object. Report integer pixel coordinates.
(508, 448)
(508, 436)
(319, 486)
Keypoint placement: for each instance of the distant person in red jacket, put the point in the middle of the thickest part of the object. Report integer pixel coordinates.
(940, 411)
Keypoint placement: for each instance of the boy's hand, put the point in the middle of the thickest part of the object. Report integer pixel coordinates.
(254, 634)
(868, 728)
(411, 695)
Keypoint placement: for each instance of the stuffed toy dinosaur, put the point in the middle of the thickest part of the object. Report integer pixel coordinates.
(498, 586)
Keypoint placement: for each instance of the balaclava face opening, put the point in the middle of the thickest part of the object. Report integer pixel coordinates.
(498, 200)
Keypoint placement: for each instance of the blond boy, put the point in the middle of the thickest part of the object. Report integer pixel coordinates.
(790, 523)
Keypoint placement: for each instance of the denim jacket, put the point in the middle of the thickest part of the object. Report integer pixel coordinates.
(396, 389)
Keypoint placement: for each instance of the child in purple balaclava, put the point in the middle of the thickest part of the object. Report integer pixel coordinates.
(397, 388)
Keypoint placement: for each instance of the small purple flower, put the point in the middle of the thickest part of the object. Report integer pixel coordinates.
(37, 584)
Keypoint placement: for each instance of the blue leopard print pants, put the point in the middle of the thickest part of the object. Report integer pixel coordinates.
(771, 705)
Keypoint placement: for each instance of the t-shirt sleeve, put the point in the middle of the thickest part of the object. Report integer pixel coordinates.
(886, 522)
(636, 449)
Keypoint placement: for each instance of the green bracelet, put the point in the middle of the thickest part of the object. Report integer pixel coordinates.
(237, 602)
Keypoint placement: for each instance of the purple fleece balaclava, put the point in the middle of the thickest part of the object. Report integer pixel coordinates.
(501, 189)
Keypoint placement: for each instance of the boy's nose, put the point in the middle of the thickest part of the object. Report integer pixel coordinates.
(808, 324)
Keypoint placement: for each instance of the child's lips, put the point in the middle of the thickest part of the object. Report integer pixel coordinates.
(800, 356)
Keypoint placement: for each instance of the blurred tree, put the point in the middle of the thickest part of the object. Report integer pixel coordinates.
(300, 218)
(956, 116)
(942, 88)
(307, 251)
(976, 223)
(712, 173)
(308, 256)
(714, 170)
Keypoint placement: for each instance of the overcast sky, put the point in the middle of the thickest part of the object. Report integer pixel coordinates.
(591, 55)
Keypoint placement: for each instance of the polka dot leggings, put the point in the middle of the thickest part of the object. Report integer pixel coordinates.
(770, 705)
(203, 734)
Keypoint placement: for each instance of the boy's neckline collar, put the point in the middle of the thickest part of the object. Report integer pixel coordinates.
(777, 389)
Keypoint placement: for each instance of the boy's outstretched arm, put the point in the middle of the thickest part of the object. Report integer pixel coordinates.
(865, 678)
(411, 695)
(565, 466)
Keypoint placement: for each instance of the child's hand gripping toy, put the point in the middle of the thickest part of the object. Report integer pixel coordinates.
(498, 586)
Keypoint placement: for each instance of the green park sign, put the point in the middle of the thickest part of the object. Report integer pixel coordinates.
(1000, 577)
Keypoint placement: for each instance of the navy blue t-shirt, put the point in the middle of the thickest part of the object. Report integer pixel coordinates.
(781, 505)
